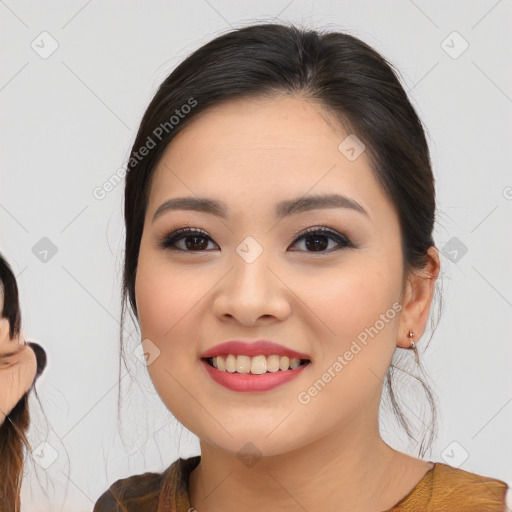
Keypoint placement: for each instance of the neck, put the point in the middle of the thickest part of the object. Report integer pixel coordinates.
(342, 472)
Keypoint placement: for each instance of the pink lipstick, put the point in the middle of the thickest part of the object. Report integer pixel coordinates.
(253, 366)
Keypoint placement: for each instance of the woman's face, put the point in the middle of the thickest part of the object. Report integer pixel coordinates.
(249, 277)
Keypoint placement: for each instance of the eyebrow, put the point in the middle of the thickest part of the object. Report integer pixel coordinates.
(283, 209)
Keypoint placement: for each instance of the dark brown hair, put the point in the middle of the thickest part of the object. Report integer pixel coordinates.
(12, 431)
(336, 70)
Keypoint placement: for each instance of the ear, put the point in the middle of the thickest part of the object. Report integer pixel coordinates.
(417, 299)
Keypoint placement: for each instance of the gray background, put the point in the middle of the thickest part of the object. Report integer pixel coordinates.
(67, 123)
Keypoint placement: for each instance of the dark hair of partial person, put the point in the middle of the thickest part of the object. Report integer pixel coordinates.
(336, 71)
(12, 431)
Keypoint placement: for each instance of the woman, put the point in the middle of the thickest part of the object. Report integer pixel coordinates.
(21, 362)
(279, 211)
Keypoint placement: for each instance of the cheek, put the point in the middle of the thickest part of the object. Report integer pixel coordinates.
(160, 307)
(168, 299)
(356, 329)
(29, 369)
(164, 295)
(351, 300)
(16, 380)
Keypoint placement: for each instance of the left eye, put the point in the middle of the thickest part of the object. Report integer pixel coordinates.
(319, 239)
(315, 240)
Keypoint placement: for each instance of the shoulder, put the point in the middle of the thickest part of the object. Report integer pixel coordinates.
(466, 480)
(149, 492)
(136, 493)
(449, 488)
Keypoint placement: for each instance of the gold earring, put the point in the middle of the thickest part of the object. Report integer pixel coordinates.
(413, 346)
(411, 336)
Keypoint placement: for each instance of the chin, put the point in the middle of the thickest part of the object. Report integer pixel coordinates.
(251, 444)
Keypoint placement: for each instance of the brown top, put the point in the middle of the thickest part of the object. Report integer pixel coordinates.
(442, 489)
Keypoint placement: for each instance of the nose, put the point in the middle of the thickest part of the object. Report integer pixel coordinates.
(252, 293)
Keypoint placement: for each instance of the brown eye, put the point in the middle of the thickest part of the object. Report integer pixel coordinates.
(195, 240)
(317, 240)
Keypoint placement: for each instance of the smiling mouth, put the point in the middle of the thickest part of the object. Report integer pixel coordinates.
(256, 365)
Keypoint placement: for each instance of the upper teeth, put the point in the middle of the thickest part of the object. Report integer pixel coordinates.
(257, 364)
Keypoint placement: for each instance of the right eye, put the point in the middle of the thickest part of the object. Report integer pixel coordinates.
(194, 239)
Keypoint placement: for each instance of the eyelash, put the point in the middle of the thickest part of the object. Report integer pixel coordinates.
(170, 240)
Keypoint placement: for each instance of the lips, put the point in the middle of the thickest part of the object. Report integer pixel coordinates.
(249, 383)
(253, 382)
(253, 348)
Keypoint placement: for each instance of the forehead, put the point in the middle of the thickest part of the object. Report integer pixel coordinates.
(284, 128)
(258, 150)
